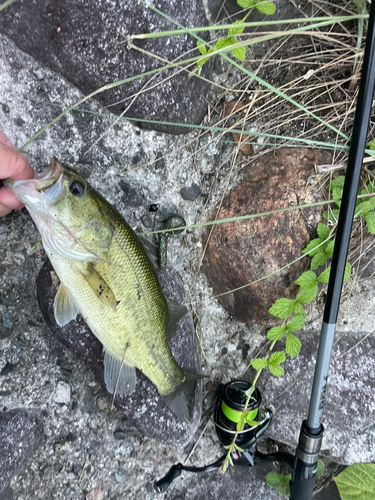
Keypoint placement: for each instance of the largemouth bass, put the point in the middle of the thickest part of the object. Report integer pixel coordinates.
(107, 276)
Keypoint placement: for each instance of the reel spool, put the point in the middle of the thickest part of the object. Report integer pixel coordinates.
(229, 409)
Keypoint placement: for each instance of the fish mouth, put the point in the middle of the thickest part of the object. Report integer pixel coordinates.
(44, 190)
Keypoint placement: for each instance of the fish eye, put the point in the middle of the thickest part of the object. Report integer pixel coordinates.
(77, 188)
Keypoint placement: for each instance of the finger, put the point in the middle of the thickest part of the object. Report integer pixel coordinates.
(4, 139)
(13, 164)
(8, 202)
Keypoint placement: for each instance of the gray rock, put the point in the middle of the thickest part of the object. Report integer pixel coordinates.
(190, 193)
(84, 42)
(144, 407)
(349, 435)
(7, 320)
(20, 433)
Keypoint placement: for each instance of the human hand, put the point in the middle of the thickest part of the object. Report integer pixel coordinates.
(14, 165)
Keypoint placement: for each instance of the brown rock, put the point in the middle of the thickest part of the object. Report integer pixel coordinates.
(244, 251)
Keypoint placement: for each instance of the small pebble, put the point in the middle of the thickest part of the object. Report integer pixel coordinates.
(160, 163)
(7, 320)
(71, 437)
(8, 368)
(62, 393)
(39, 74)
(118, 477)
(95, 494)
(191, 193)
(147, 220)
(119, 435)
(5, 107)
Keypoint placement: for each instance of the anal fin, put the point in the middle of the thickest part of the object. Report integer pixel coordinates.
(127, 380)
(64, 306)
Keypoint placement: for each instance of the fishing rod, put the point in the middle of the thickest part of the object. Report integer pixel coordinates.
(311, 434)
(232, 397)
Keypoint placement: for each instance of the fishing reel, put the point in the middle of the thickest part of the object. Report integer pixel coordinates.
(228, 411)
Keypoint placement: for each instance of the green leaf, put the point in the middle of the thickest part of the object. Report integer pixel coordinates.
(267, 8)
(277, 358)
(318, 260)
(307, 295)
(363, 208)
(282, 308)
(225, 42)
(299, 310)
(348, 268)
(306, 280)
(324, 276)
(246, 4)
(258, 364)
(330, 247)
(311, 247)
(201, 47)
(296, 323)
(276, 370)
(332, 214)
(356, 482)
(336, 193)
(239, 53)
(319, 468)
(337, 182)
(370, 222)
(323, 231)
(293, 345)
(276, 333)
(281, 483)
(236, 30)
(371, 144)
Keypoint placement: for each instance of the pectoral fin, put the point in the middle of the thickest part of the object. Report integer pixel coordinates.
(64, 306)
(100, 286)
(127, 380)
(175, 312)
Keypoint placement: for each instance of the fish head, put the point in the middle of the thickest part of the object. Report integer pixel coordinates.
(71, 216)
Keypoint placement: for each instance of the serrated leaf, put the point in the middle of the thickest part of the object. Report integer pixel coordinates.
(330, 247)
(370, 222)
(239, 53)
(348, 268)
(323, 231)
(311, 248)
(292, 345)
(276, 333)
(337, 182)
(267, 8)
(277, 358)
(324, 276)
(336, 193)
(306, 280)
(318, 260)
(296, 323)
(246, 4)
(225, 42)
(201, 47)
(363, 208)
(276, 370)
(332, 214)
(281, 483)
(299, 310)
(307, 295)
(236, 30)
(371, 144)
(282, 308)
(258, 364)
(356, 482)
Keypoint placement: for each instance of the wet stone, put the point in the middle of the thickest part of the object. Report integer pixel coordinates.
(130, 197)
(190, 193)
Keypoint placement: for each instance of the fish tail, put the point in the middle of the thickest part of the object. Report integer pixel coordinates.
(181, 400)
